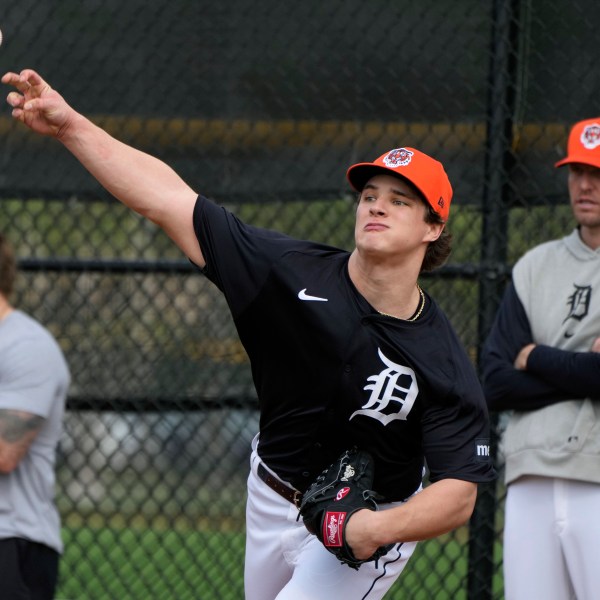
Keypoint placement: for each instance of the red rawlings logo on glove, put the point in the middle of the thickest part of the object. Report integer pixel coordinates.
(333, 525)
(343, 492)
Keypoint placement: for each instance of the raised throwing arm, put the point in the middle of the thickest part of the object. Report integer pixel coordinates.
(140, 181)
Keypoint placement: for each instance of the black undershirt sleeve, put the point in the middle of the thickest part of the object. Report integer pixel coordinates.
(552, 376)
(575, 373)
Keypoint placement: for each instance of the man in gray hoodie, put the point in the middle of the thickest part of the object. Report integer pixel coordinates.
(541, 362)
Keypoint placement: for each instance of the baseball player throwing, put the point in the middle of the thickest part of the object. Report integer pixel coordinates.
(347, 351)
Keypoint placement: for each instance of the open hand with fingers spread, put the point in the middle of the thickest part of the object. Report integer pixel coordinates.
(36, 104)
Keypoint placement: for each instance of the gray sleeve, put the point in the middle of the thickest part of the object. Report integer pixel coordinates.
(31, 373)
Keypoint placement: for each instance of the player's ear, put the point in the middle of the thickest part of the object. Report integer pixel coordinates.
(434, 230)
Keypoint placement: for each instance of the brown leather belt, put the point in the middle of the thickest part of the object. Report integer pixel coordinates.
(290, 494)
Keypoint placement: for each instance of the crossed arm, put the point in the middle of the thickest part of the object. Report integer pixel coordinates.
(521, 375)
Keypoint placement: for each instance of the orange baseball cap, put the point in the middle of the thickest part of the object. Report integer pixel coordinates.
(584, 144)
(424, 172)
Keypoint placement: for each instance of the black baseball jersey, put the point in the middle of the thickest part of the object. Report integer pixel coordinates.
(331, 372)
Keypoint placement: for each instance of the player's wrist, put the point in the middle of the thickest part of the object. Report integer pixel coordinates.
(382, 528)
(377, 528)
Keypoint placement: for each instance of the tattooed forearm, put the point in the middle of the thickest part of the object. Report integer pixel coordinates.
(17, 425)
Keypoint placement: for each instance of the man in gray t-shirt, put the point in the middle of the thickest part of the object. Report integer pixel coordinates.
(34, 379)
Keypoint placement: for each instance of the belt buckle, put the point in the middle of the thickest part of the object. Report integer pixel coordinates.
(297, 499)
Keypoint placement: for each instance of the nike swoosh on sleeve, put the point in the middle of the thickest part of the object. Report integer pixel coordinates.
(304, 296)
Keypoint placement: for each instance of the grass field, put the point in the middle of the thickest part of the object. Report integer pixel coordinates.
(128, 564)
(125, 564)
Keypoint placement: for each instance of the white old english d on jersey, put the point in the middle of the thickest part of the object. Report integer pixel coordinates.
(395, 379)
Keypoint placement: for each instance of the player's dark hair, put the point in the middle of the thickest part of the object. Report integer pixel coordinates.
(8, 267)
(437, 252)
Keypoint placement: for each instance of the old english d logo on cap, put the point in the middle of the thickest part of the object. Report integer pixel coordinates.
(424, 172)
(584, 144)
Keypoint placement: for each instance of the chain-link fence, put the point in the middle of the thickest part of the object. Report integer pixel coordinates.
(262, 106)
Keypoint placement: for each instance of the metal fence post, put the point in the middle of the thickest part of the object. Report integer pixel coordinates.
(503, 82)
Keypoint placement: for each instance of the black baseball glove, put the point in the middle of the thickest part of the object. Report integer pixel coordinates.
(334, 496)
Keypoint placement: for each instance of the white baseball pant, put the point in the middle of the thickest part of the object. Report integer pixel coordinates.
(552, 540)
(285, 562)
